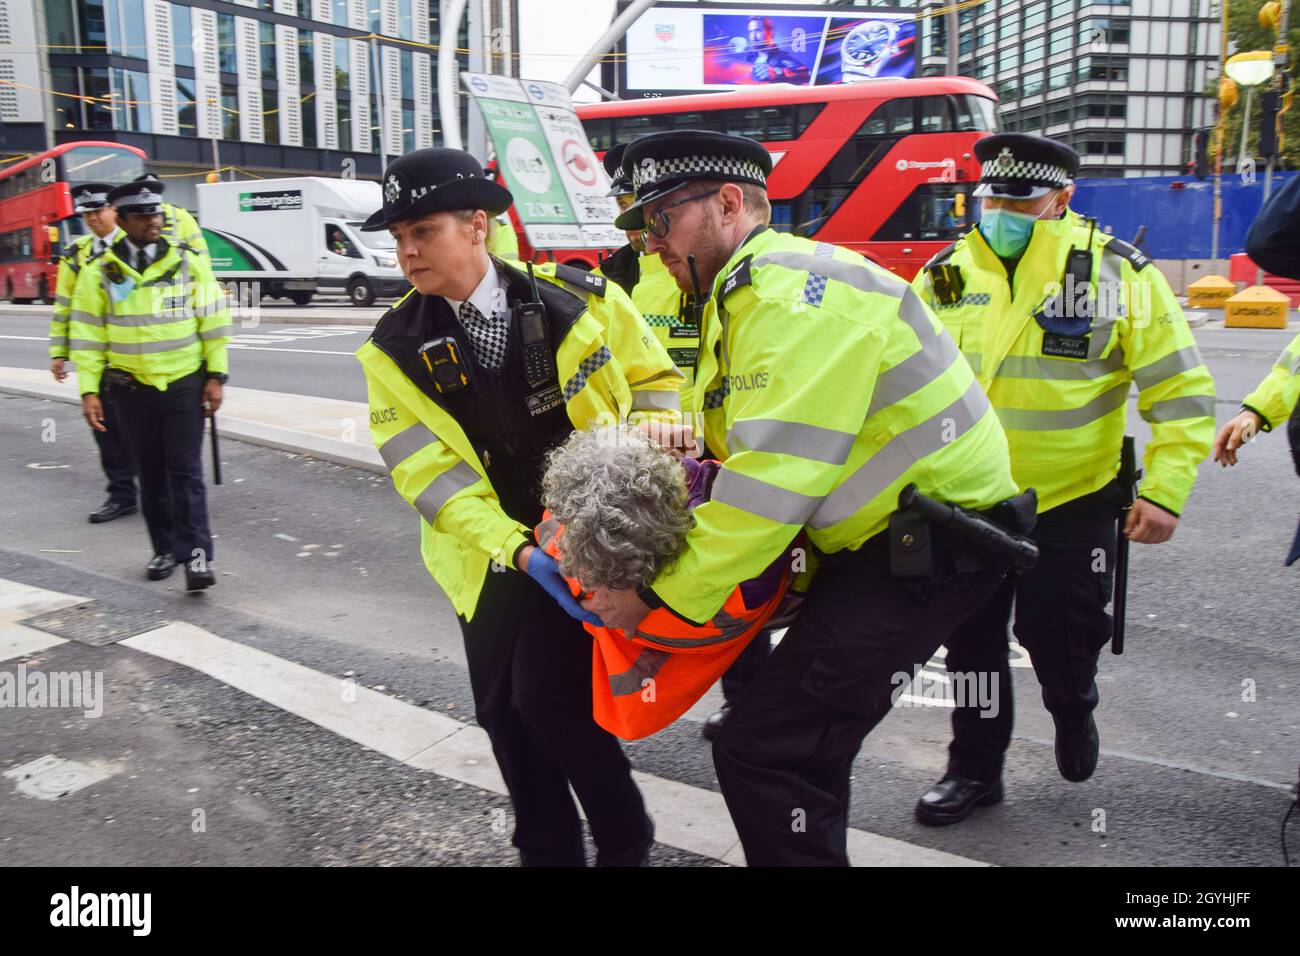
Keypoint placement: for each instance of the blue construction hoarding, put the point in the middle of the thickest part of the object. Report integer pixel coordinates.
(1178, 211)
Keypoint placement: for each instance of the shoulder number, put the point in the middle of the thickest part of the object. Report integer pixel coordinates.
(739, 275)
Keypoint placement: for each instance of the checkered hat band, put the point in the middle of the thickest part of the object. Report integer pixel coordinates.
(700, 167)
(1036, 174)
(91, 199)
(141, 199)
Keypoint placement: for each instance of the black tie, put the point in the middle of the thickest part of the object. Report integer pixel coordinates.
(141, 260)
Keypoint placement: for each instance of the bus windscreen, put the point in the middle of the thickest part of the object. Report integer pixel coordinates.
(99, 164)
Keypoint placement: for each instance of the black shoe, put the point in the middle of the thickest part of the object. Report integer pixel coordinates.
(111, 509)
(713, 726)
(953, 799)
(160, 567)
(198, 580)
(638, 856)
(1077, 750)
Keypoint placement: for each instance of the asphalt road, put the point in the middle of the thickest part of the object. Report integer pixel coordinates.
(319, 564)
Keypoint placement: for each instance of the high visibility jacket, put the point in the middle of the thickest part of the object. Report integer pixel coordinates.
(654, 292)
(1063, 398)
(641, 684)
(826, 386)
(70, 266)
(1276, 397)
(179, 228)
(502, 240)
(611, 370)
(160, 325)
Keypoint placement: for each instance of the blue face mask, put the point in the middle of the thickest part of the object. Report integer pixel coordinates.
(1006, 231)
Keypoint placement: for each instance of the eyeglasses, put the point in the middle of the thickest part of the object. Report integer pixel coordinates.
(658, 222)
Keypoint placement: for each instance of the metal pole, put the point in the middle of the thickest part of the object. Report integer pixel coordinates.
(1219, 130)
(377, 80)
(606, 41)
(953, 41)
(448, 95)
(216, 129)
(1245, 128)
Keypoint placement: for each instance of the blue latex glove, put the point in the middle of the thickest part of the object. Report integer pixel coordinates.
(543, 569)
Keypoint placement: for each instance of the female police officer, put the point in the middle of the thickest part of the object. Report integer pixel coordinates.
(472, 377)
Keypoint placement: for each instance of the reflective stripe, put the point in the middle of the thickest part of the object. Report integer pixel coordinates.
(1046, 420)
(859, 275)
(90, 318)
(659, 377)
(763, 499)
(663, 401)
(790, 438)
(937, 354)
(1295, 365)
(647, 664)
(685, 641)
(1032, 366)
(1173, 409)
(430, 501)
(714, 397)
(151, 348)
(62, 300)
(147, 319)
(902, 451)
(1288, 360)
(405, 443)
(212, 308)
(1162, 370)
(592, 364)
(215, 333)
(59, 341)
(87, 345)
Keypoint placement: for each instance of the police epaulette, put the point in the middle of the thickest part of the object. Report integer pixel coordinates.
(739, 275)
(940, 256)
(589, 282)
(1126, 250)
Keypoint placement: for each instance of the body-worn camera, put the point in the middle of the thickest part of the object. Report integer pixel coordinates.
(442, 361)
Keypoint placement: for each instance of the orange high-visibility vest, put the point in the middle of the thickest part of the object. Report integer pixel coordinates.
(641, 684)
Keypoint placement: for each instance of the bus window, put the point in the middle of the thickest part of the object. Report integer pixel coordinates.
(936, 114)
(16, 246)
(750, 122)
(628, 128)
(985, 113)
(99, 164)
(898, 116)
(928, 215)
(807, 112)
(600, 133)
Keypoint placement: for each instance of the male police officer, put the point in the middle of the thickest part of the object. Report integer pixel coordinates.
(671, 314)
(91, 201)
(149, 324)
(179, 227)
(1059, 321)
(472, 377)
(827, 387)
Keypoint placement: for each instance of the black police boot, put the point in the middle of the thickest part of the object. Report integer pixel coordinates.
(160, 567)
(198, 580)
(1077, 749)
(953, 799)
(713, 726)
(111, 509)
(636, 856)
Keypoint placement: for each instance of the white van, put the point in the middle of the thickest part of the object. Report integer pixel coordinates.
(300, 235)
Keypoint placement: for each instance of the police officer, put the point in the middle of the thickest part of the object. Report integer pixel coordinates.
(1059, 321)
(179, 227)
(671, 314)
(91, 201)
(827, 387)
(473, 377)
(150, 325)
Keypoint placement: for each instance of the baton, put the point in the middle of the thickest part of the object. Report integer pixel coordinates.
(1129, 473)
(216, 452)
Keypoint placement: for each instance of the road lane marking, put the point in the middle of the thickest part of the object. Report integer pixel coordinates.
(27, 338)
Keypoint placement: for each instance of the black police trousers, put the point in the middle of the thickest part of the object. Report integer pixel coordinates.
(530, 672)
(115, 455)
(1061, 621)
(164, 430)
(785, 754)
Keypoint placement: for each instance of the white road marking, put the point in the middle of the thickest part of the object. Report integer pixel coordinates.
(27, 338)
(19, 601)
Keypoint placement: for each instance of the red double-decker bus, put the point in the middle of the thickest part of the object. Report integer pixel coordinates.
(36, 218)
(874, 166)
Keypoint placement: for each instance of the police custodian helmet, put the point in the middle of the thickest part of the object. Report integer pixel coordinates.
(436, 180)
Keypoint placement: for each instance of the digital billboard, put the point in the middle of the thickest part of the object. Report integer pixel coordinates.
(680, 49)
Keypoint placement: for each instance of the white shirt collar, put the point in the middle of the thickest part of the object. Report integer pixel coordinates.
(99, 243)
(484, 296)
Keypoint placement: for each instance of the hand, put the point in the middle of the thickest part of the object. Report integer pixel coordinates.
(623, 610)
(57, 369)
(212, 395)
(541, 567)
(93, 411)
(678, 439)
(1235, 434)
(1149, 524)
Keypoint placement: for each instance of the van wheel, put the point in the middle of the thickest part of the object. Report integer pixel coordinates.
(299, 298)
(361, 292)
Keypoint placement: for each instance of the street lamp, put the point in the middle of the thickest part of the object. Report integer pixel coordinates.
(1250, 70)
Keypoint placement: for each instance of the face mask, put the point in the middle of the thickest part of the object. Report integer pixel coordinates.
(1006, 231)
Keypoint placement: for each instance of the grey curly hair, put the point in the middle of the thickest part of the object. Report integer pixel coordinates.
(622, 501)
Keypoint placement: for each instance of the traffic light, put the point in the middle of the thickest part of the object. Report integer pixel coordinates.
(1270, 101)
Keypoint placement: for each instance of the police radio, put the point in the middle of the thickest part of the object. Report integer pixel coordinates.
(534, 341)
(441, 358)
